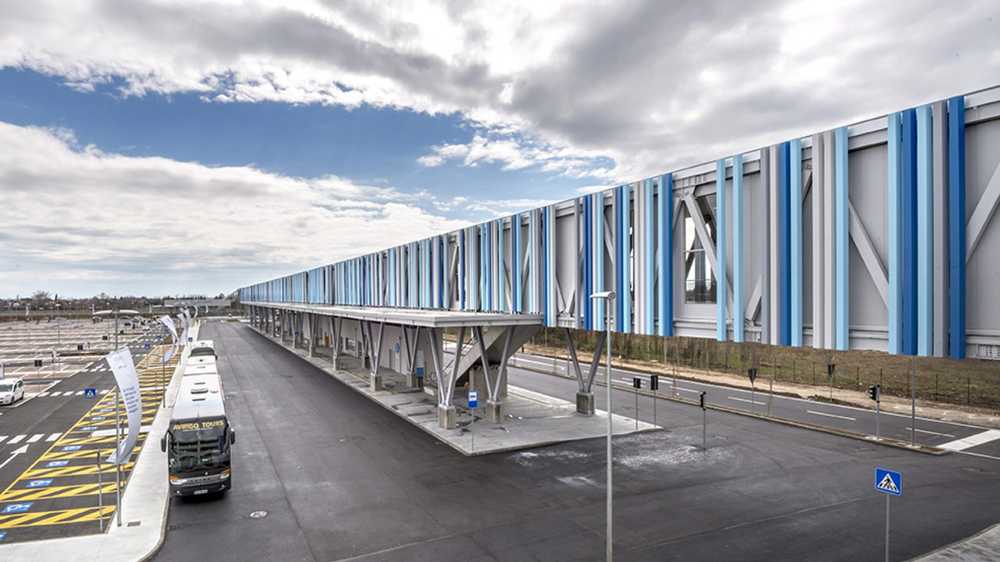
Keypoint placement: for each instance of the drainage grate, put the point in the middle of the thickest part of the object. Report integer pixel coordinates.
(258, 514)
(134, 523)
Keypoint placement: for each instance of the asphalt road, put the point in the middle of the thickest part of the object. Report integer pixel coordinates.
(341, 478)
(34, 427)
(848, 418)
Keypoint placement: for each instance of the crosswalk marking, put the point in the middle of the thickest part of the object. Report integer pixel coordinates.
(16, 439)
(53, 437)
(36, 437)
(2, 437)
(972, 440)
(79, 393)
(46, 393)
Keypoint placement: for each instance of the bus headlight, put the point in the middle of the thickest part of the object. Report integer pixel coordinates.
(224, 475)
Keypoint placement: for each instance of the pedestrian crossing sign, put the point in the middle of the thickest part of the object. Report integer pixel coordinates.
(90, 393)
(888, 481)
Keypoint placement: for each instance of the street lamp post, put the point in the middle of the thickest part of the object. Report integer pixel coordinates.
(607, 297)
(118, 425)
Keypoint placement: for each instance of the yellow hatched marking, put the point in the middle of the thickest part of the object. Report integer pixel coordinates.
(69, 455)
(60, 517)
(78, 515)
(59, 471)
(52, 492)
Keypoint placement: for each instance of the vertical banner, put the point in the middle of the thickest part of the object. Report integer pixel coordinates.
(128, 384)
(169, 323)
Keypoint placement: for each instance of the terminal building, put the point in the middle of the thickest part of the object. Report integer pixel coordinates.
(876, 235)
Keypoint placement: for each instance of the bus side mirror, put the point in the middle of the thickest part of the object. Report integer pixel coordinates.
(163, 444)
(232, 436)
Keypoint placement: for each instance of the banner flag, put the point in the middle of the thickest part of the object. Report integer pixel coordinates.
(169, 323)
(127, 378)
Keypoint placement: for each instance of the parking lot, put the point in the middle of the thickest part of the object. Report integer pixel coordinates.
(50, 442)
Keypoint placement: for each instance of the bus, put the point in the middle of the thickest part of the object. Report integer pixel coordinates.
(199, 439)
(203, 348)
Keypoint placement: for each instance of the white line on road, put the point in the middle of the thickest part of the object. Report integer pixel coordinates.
(53, 437)
(746, 400)
(2, 437)
(46, 393)
(36, 438)
(79, 393)
(16, 439)
(931, 432)
(972, 441)
(830, 415)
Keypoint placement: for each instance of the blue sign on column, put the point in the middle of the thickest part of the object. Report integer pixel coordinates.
(90, 393)
(473, 399)
(888, 481)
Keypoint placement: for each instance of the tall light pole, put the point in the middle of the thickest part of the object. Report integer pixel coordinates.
(118, 424)
(607, 297)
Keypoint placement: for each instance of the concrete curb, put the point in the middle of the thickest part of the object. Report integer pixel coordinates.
(793, 423)
(360, 390)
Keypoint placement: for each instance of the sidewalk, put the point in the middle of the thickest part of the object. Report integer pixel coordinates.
(981, 547)
(145, 503)
(859, 398)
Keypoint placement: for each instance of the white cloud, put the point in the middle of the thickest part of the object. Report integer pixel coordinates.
(644, 85)
(83, 219)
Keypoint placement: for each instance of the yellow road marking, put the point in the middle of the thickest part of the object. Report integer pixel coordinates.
(60, 517)
(52, 492)
(58, 471)
(69, 455)
(77, 515)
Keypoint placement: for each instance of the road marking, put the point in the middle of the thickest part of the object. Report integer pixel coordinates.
(815, 413)
(972, 441)
(16, 439)
(60, 517)
(52, 492)
(53, 437)
(79, 393)
(36, 438)
(2, 437)
(746, 400)
(918, 430)
(46, 393)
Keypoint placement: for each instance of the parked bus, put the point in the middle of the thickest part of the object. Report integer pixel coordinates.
(199, 439)
(202, 348)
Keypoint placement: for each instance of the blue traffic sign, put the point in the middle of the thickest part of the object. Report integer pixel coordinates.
(473, 399)
(145, 345)
(39, 483)
(16, 508)
(888, 481)
(3, 535)
(90, 393)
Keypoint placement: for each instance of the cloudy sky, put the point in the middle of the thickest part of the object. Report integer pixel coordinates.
(161, 147)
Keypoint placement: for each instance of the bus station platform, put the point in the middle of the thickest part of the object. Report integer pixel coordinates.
(529, 419)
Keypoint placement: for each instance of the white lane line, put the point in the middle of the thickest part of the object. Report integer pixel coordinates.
(36, 438)
(56, 393)
(2, 437)
(79, 393)
(105, 391)
(972, 441)
(746, 400)
(931, 432)
(53, 437)
(830, 415)
(46, 393)
(16, 439)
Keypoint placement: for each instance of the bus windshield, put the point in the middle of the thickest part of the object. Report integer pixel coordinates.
(198, 445)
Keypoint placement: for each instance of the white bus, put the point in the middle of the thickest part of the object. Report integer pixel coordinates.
(199, 440)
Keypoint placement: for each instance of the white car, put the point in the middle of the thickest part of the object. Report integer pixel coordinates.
(11, 390)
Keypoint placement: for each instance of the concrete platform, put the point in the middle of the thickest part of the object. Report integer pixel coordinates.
(530, 419)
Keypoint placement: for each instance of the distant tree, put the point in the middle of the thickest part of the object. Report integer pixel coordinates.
(39, 297)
